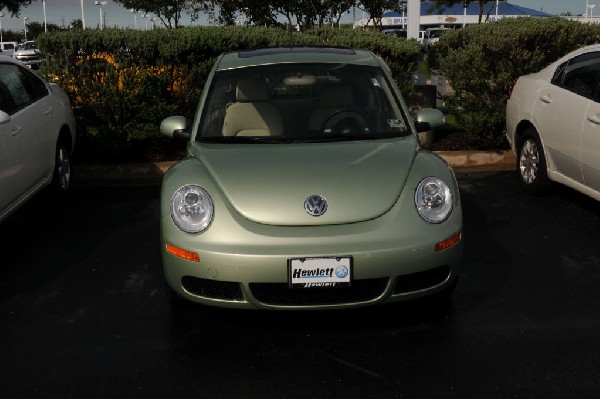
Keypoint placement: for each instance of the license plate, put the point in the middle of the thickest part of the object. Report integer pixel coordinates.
(320, 272)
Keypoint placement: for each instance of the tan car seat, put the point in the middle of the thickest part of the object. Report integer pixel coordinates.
(252, 114)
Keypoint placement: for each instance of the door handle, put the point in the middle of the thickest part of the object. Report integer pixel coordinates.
(594, 119)
(546, 99)
(16, 130)
(48, 112)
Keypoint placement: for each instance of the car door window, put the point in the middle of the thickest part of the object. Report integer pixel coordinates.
(580, 75)
(23, 87)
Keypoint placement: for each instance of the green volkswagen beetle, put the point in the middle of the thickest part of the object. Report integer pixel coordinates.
(305, 188)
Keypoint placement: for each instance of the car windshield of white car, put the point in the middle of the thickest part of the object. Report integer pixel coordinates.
(287, 103)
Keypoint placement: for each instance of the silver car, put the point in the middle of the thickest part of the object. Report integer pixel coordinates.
(37, 135)
(28, 54)
(553, 124)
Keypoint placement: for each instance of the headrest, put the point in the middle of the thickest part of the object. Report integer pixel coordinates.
(249, 90)
(336, 95)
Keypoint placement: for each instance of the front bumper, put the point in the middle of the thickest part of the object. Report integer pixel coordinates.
(30, 62)
(245, 265)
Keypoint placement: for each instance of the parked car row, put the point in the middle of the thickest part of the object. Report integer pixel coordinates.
(27, 53)
(305, 186)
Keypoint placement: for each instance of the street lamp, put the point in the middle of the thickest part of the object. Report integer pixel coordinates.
(82, 16)
(25, 25)
(1, 15)
(149, 18)
(134, 12)
(44, 6)
(591, 7)
(101, 4)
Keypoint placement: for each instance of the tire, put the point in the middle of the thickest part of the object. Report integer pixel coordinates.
(531, 163)
(61, 179)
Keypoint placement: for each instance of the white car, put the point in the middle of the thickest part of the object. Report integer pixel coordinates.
(553, 124)
(28, 54)
(37, 135)
(431, 37)
(8, 48)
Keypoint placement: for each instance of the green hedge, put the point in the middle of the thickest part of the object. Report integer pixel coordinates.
(121, 82)
(482, 62)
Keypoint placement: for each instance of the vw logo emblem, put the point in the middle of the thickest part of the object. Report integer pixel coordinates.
(315, 205)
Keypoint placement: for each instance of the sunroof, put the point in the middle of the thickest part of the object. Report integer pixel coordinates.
(295, 50)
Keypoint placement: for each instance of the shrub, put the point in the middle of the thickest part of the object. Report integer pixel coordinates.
(122, 83)
(482, 62)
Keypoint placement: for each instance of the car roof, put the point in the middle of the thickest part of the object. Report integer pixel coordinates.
(276, 55)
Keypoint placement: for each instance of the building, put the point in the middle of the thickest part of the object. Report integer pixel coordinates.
(457, 15)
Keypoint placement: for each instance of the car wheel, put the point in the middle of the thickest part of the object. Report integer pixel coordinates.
(61, 179)
(531, 163)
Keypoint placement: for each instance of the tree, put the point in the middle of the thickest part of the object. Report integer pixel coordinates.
(76, 24)
(376, 8)
(168, 11)
(306, 13)
(34, 29)
(439, 5)
(13, 6)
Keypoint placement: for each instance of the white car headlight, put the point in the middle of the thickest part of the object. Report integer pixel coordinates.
(433, 199)
(191, 208)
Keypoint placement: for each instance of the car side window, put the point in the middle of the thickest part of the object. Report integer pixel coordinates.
(23, 87)
(580, 75)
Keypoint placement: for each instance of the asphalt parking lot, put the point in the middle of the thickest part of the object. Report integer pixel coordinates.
(83, 312)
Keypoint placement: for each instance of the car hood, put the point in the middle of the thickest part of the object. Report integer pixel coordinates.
(27, 52)
(269, 183)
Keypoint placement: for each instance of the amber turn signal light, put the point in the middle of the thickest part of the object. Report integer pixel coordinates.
(448, 242)
(182, 253)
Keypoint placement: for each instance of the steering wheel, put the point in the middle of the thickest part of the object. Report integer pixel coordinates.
(345, 122)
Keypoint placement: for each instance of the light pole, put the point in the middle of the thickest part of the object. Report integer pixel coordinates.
(134, 12)
(496, 10)
(591, 7)
(25, 25)
(82, 16)
(587, 6)
(1, 15)
(101, 4)
(44, 7)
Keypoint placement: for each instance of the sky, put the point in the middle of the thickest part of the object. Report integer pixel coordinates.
(62, 12)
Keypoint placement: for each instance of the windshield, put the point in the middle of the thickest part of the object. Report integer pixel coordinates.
(299, 103)
(29, 46)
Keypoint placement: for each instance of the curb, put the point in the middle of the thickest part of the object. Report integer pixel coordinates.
(151, 173)
(478, 161)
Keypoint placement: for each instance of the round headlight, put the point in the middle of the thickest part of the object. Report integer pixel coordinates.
(433, 199)
(191, 209)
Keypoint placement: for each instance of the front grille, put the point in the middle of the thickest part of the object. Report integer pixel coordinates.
(224, 290)
(280, 294)
(422, 280)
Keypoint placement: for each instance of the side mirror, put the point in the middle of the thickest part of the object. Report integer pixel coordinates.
(175, 127)
(429, 118)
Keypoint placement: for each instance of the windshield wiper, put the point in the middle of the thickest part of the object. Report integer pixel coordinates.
(246, 140)
(349, 137)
